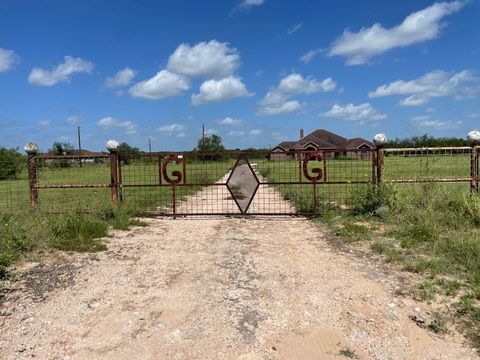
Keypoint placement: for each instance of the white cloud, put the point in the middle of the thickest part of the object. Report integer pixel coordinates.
(230, 121)
(210, 59)
(172, 129)
(121, 78)
(278, 99)
(437, 83)
(294, 28)
(297, 84)
(426, 122)
(8, 59)
(74, 119)
(276, 103)
(250, 3)
(163, 84)
(256, 132)
(358, 48)
(44, 123)
(475, 116)
(363, 112)
(110, 122)
(220, 90)
(61, 73)
(236, 133)
(309, 55)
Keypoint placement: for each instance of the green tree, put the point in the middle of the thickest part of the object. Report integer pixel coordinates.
(210, 144)
(125, 152)
(210, 147)
(62, 148)
(10, 163)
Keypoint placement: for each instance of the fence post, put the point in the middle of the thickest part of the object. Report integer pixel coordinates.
(31, 149)
(379, 140)
(112, 147)
(474, 139)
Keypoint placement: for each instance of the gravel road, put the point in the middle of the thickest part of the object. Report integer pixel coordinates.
(224, 288)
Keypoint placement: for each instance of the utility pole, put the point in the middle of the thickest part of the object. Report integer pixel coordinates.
(79, 146)
(203, 132)
(149, 146)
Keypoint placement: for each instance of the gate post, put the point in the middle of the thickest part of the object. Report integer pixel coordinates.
(31, 149)
(379, 140)
(112, 147)
(474, 139)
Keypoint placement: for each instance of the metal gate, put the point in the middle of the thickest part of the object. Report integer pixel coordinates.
(240, 183)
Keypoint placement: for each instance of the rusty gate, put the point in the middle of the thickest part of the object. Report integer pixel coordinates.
(239, 183)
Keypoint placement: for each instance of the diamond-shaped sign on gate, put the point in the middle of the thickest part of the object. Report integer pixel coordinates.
(243, 184)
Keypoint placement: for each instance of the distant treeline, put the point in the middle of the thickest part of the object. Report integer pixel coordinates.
(426, 141)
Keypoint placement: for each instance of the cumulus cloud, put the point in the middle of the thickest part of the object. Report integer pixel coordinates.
(74, 119)
(297, 84)
(8, 59)
(109, 122)
(256, 132)
(426, 122)
(276, 103)
(62, 73)
(230, 121)
(220, 90)
(278, 99)
(247, 4)
(294, 28)
(359, 47)
(210, 59)
(121, 78)
(475, 116)
(177, 130)
(437, 83)
(309, 55)
(163, 84)
(363, 112)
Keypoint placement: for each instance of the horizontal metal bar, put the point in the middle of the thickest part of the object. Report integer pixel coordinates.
(73, 186)
(70, 157)
(405, 181)
(261, 183)
(393, 150)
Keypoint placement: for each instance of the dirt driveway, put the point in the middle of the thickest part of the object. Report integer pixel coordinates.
(216, 289)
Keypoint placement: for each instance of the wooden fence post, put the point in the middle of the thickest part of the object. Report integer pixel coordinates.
(112, 147)
(379, 140)
(474, 139)
(474, 170)
(31, 149)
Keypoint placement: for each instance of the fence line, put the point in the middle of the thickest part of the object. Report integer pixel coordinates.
(51, 182)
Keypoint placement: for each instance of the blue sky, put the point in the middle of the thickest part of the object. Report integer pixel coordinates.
(253, 71)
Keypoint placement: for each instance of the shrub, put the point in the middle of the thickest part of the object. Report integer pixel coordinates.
(11, 162)
(377, 200)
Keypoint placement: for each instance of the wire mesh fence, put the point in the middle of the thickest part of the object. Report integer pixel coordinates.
(232, 183)
(66, 182)
(14, 193)
(453, 168)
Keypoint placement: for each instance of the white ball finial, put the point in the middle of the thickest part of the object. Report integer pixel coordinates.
(380, 140)
(30, 148)
(112, 145)
(474, 137)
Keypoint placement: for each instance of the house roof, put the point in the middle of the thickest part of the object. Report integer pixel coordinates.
(287, 145)
(324, 139)
(356, 142)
